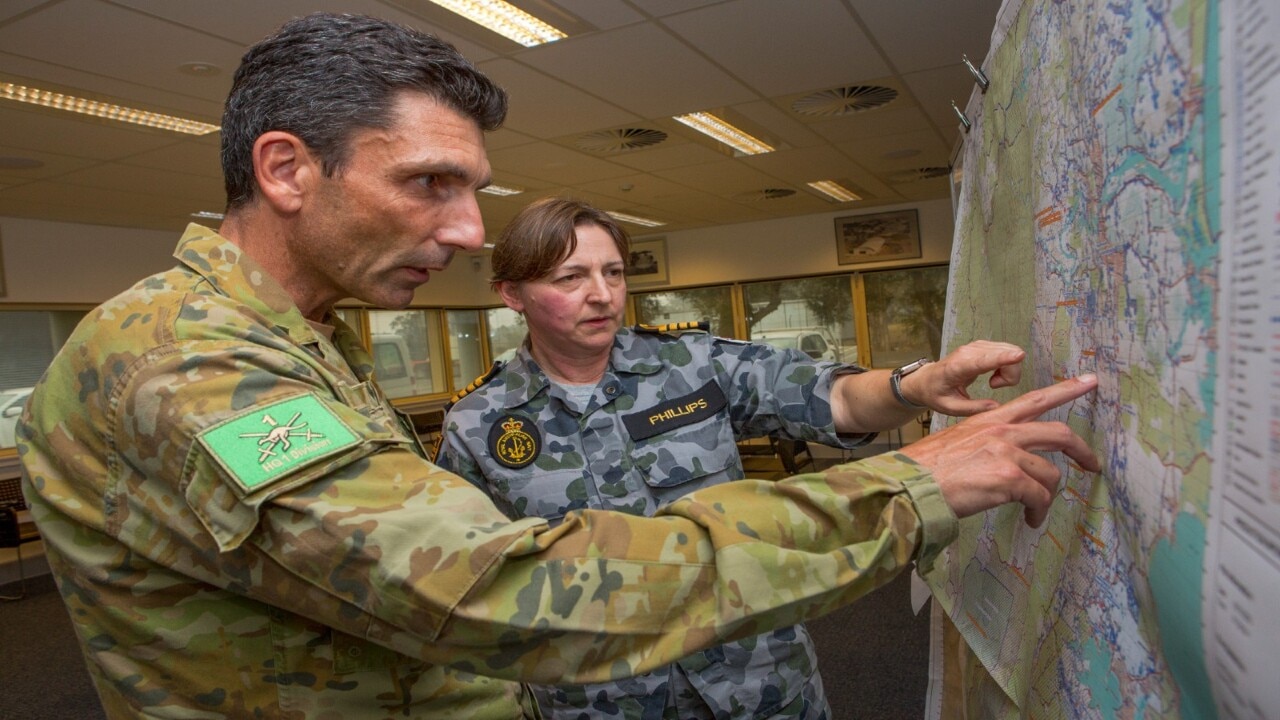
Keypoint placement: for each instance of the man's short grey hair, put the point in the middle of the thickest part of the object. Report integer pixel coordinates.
(323, 76)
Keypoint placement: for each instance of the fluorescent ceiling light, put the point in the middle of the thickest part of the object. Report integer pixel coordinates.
(505, 19)
(500, 191)
(208, 215)
(835, 191)
(712, 126)
(634, 220)
(70, 103)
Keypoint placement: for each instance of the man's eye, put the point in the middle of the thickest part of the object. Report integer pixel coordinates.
(426, 181)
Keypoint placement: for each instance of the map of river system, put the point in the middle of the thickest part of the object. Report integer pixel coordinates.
(1086, 232)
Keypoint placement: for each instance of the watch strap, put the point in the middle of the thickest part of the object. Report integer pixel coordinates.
(895, 383)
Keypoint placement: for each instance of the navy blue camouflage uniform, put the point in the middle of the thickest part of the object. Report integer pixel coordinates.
(661, 422)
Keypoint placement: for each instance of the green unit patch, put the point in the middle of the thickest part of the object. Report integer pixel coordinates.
(269, 442)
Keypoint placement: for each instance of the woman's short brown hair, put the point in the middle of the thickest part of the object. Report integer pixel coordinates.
(541, 236)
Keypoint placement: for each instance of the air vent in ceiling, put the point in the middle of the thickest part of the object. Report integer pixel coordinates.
(765, 194)
(611, 142)
(924, 173)
(844, 100)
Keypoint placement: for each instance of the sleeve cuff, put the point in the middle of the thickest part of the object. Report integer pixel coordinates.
(939, 526)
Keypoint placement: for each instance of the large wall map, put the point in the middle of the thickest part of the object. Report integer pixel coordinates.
(1087, 233)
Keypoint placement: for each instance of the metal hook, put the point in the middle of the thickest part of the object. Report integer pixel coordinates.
(978, 75)
(960, 114)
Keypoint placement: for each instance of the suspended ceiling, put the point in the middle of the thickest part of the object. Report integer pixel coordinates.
(627, 67)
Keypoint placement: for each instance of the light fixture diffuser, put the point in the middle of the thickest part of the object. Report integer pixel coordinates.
(500, 190)
(633, 219)
(505, 19)
(835, 191)
(71, 103)
(208, 215)
(714, 127)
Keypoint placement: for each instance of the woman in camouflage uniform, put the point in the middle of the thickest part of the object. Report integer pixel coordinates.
(590, 414)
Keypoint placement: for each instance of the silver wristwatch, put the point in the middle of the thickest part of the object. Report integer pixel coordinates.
(895, 382)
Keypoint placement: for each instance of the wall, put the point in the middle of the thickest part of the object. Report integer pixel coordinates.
(785, 247)
(52, 262)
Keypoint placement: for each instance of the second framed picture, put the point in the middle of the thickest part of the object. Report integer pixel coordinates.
(878, 237)
(648, 263)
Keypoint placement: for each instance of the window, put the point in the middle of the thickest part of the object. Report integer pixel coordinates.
(904, 314)
(506, 331)
(713, 305)
(896, 313)
(408, 355)
(814, 315)
(352, 317)
(465, 347)
(30, 339)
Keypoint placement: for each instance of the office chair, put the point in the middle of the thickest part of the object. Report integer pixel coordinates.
(794, 454)
(14, 533)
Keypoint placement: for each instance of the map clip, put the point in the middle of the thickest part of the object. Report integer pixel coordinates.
(978, 75)
(960, 114)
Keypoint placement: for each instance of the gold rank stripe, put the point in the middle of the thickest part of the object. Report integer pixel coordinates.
(676, 327)
(474, 385)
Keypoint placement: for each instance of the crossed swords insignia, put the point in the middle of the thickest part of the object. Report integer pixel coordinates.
(278, 436)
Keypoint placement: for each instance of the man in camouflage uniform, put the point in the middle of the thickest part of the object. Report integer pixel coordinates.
(651, 416)
(241, 527)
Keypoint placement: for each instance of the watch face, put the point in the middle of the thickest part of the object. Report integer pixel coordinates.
(911, 367)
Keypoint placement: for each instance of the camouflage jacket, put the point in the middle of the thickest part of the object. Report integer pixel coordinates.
(241, 528)
(661, 423)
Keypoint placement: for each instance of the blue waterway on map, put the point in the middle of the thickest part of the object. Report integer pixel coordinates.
(1175, 578)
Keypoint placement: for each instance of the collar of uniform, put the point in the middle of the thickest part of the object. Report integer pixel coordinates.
(237, 276)
(352, 348)
(523, 378)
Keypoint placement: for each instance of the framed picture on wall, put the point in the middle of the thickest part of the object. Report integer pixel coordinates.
(647, 265)
(878, 237)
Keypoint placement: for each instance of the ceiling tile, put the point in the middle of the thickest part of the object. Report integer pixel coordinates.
(889, 120)
(925, 34)
(663, 157)
(53, 164)
(545, 107)
(203, 192)
(37, 128)
(936, 90)
(725, 178)
(603, 14)
(803, 165)
(555, 164)
(659, 8)
(635, 67)
(197, 156)
(782, 47)
(13, 8)
(89, 34)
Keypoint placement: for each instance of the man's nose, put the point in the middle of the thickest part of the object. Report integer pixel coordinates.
(463, 227)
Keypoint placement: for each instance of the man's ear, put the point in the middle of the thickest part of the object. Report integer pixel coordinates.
(507, 291)
(284, 168)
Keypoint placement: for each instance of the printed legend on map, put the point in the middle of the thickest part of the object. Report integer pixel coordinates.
(1242, 561)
